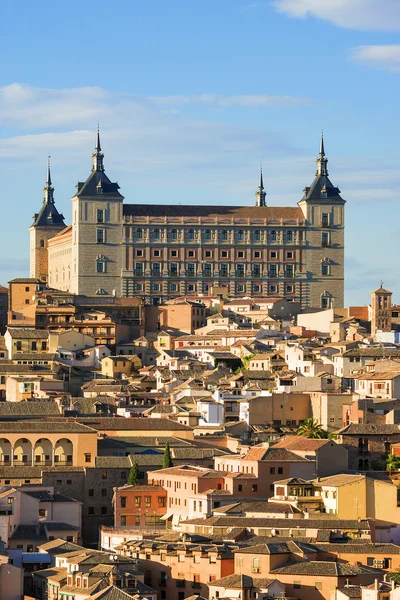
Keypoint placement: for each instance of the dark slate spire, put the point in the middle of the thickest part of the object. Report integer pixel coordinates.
(97, 156)
(260, 193)
(322, 186)
(48, 197)
(322, 161)
(48, 214)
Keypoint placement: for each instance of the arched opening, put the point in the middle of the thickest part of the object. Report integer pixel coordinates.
(42, 243)
(22, 453)
(63, 452)
(43, 453)
(366, 464)
(5, 452)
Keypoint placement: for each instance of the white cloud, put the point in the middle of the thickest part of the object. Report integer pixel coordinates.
(384, 57)
(374, 15)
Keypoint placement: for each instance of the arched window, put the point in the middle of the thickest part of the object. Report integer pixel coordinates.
(156, 234)
(289, 236)
(174, 234)
(240, 235)
(190, 234)
(207, 234)
(42, 243)
(257, 235)
(273, 236)
(139, 233)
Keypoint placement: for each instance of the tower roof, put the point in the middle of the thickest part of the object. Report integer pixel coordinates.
(98, 182)
(321, 187)
(48, 214)
(381, 290)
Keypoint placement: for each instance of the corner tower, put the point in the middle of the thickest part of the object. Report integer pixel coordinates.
(323, 209)
(96, 232)
(46, 223)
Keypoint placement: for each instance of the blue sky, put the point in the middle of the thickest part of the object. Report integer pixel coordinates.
(191, 95)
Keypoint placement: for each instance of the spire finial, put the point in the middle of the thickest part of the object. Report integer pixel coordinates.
(97, 156)
(98, 146)
(322, 161)
(260, 193)
(48, 188)
(321, 146)
(48, 180)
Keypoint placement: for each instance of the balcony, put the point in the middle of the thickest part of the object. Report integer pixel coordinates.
(180, 583)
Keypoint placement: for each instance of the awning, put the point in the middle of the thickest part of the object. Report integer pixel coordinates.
(176, 519)
(166, 517)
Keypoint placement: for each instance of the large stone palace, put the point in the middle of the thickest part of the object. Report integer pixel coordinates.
(160, 251)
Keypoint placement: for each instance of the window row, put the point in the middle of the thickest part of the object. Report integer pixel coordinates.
(256, 254)
(192, 287)
(208, 269)
(223, 235)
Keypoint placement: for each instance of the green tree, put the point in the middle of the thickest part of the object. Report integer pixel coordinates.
(310, 428)
(167, 460)
(246, 361)
(133, 474)
(395, 575)
(392, 463)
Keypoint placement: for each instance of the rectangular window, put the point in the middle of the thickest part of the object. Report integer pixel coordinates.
(272, 470)
(123, 501)
(272, 270)
(324, 220)
(325, 269)
(91, 510)
(191, 269)
(325, 240)
(138, 501)
(100, 215)
(288, 270)
(88, 458)
(147, 501)
(100, 236)
(100, 266)
(223, 269)
(139, 269)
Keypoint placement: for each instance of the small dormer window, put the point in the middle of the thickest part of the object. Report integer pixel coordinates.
(99, 188)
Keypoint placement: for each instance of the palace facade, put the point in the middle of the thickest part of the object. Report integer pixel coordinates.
(160, 251)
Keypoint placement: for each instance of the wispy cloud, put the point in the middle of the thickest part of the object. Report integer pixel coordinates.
(373, 15)
(383, 57)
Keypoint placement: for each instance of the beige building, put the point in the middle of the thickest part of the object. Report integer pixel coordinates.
(159, 251)
(58, 443)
